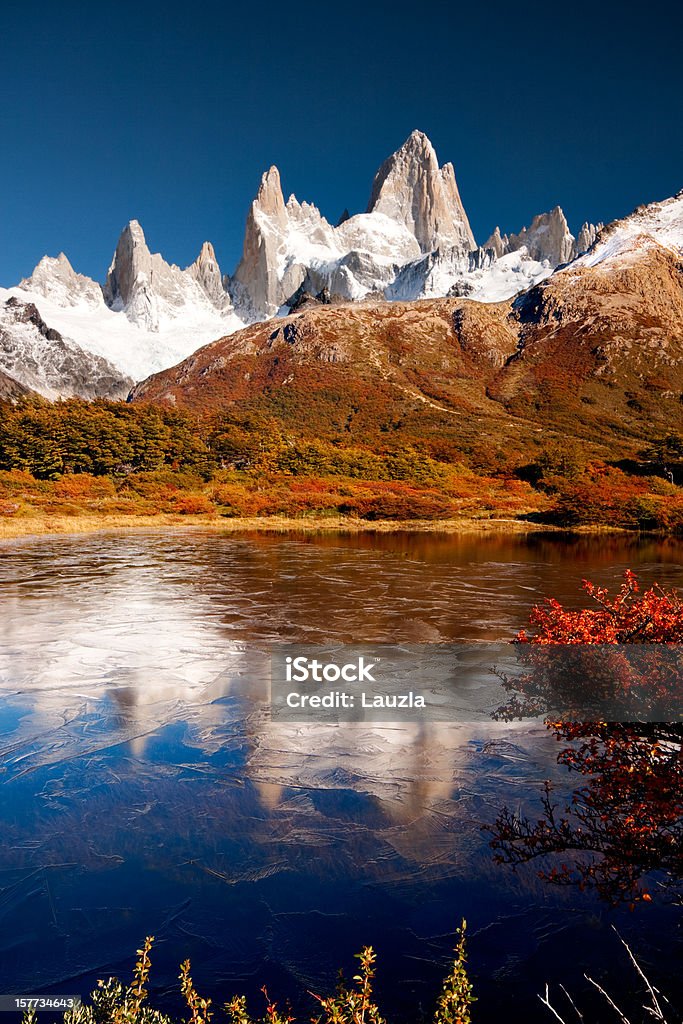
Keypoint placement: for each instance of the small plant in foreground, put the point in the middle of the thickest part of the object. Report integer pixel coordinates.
(457, 995)
(354, 1005)
(115, 1003)
(199, 1008)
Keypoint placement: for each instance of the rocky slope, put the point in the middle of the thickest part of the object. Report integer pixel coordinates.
(599, 348)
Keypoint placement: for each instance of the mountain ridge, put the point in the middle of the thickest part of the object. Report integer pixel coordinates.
(414, 242)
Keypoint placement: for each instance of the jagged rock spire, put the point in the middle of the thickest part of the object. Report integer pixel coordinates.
(131, 259)
(257, 284)
(547, 238)
(148, 289)
(499, 243)
(412, 189)
(207, 273)
(586, 237)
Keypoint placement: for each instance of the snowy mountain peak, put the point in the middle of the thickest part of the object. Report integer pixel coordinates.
(418, 138)
(55, 278)
(256, 286)
(412, 189)
(152, 292)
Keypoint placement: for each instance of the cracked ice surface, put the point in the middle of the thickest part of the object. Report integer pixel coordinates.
(143, 788)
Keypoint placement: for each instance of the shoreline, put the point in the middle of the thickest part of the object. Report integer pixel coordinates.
(46, 526)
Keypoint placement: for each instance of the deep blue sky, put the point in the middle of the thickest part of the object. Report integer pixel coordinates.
(170, 113)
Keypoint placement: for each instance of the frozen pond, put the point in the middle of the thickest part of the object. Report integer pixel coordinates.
(144, 789)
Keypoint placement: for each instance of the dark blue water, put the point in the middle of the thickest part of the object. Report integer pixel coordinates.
(144, 790)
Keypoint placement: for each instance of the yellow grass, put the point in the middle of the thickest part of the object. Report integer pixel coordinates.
(41, 525)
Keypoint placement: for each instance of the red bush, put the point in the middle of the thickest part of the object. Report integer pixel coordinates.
(626, 819)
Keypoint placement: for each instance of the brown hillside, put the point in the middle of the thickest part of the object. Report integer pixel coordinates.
(596, 353)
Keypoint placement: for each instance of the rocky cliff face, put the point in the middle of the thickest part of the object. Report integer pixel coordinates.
(413, 190)
(267, 271)
(547, 239)
(148, 290)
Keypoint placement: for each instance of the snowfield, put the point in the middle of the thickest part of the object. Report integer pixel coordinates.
(134, 349)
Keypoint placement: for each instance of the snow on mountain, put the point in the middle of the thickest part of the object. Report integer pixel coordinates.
(55, 279)
(548, 238)
(478, 275)
(149, 315)
(136, 351)
(655, 224)
(414, 242)
(38, 357)
(506, 277)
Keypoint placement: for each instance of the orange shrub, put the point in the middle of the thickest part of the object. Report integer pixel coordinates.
(83, 485)
(398, 501)
(18, 481)
(237, 499)
(192, 505)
